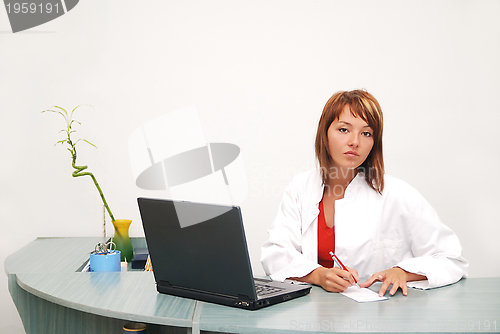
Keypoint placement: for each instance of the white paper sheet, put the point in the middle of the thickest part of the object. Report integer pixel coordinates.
(362, 295)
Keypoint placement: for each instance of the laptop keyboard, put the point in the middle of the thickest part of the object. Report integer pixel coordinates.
(263, 289)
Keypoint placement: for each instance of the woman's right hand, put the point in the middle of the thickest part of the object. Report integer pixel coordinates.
(331, 279)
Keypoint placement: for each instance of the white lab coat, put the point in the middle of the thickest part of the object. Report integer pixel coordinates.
(373, 233)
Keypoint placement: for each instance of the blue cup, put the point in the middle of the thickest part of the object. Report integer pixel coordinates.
(105, 263)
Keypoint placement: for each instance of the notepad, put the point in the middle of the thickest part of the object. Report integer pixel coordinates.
(362, 295)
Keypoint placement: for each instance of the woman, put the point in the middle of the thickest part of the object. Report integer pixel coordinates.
(381, 228)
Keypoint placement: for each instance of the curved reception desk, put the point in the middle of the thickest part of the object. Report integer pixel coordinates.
(53, 296)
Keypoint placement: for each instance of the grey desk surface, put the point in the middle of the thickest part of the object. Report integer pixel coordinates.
(47, 268)
(468, 306)
(471, 305)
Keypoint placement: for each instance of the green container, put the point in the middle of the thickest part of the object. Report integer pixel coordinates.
(122, 240)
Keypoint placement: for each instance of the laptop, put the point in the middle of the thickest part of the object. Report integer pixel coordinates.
(199, 251)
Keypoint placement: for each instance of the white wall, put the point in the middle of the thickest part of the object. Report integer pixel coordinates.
(259, 73)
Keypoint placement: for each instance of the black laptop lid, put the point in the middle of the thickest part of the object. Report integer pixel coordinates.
(208, 255)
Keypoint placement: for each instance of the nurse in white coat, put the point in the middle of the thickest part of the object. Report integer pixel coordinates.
(381, 228)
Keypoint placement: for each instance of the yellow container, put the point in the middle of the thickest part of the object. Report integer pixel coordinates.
(122, 240)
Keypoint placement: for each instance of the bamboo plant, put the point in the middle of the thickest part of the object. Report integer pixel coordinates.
(79, 170)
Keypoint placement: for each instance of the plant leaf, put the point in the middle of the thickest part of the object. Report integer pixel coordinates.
(88, 142)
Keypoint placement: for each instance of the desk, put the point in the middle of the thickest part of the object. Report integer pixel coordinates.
(468, 306)
(52, 298)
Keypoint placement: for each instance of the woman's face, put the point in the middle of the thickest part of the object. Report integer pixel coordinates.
(350, 140)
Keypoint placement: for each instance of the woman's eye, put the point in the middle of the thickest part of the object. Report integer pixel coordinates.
(343, 130)
(367, 134)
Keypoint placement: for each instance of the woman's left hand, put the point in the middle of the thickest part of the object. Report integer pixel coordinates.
(395, 276)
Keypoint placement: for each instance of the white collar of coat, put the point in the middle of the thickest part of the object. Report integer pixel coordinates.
(353, 187)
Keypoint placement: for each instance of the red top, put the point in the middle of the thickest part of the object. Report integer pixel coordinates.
(326, 240)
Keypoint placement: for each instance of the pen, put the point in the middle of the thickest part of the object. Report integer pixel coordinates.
(341, 265)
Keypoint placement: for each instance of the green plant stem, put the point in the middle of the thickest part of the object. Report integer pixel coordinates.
(78, 172)
(78, 169)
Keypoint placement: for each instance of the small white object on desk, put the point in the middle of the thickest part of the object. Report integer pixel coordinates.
(123, 266)
(362, 295)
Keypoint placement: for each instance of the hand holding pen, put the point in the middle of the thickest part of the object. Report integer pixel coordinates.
(331, 279)
(341, 265)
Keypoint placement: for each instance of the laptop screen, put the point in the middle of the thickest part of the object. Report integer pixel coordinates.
(205, 255)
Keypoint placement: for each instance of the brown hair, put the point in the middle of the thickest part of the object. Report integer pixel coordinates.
(363, 105)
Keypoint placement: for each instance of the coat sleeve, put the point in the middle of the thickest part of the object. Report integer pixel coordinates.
(436, 249)
(282, 255)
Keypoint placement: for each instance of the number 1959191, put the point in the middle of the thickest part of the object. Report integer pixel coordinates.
(25, 7)
(471, 325)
